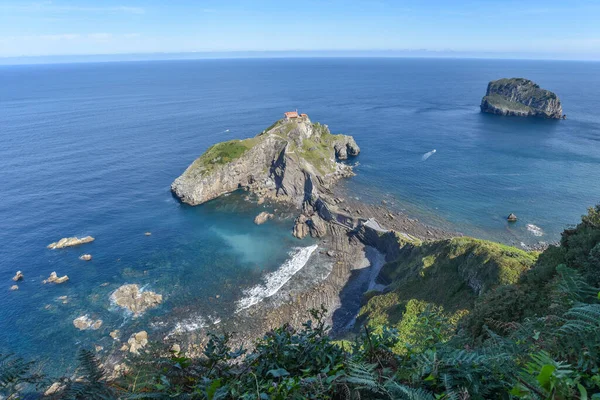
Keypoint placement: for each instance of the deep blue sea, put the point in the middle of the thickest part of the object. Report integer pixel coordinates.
(91, 149)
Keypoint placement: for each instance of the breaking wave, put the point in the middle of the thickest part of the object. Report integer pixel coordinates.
(428, 154)
(276, 279)
(536, 230)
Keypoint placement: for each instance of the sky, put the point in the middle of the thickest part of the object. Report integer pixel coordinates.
(568, 29)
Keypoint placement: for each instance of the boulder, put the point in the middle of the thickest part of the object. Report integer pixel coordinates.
(84, 323)
(301, 229)
(262, 218)
(137, 341)
(85, 257)
(135, 300)
(18, 276)
(53, 278)
(175, 349)
(148, 233)
(511, 217)
(115, 334)
(520, 97)
(69, 242)
(14, 287)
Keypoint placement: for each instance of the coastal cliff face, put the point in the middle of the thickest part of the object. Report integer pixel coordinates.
(520, 97)
(290, 161)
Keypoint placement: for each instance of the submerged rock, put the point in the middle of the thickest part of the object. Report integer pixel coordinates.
(71, 241)
(18, 276)
(520, 97)
(262, 218)
(84, 323)
(133, 299)
(115, 334)
(53, 278)
(85, 257)
(55, 388)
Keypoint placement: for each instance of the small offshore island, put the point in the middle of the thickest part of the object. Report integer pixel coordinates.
(521, 97)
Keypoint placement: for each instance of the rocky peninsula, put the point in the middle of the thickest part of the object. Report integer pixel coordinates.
(521, 97)
(298, 162)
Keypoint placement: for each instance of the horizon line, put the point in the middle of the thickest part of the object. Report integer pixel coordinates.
(266, 54)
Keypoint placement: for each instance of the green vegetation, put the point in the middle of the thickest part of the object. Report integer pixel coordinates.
(503, 103)
(222, 153)
(530, 336)
(446, 275)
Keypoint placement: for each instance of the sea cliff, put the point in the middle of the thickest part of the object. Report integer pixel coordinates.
(521, 97)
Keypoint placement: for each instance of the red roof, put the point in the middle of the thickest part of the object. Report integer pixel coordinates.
(291, 114)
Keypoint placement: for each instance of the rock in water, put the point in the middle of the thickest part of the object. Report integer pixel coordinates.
(290, 161)
(511, 217)
(262, 218)
(301, 229)
(71, 241)
(137, 341)
(135, 300)
(18, 276)
(53, 278)
(85, 257)
(520, 97)
(14, 287)
(84, 323)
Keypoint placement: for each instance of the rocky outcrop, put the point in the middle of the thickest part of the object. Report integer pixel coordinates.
(85, 257)
(316, 226)
(262, 218)
(69, 242)
(511, 217)
(520, 97)
(301, 229)
(134, 300)
(53, 278)
(137, 341)
(84, 323)
(290, 162)
(18, 276)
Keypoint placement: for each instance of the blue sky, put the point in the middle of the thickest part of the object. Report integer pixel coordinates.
(568, 29)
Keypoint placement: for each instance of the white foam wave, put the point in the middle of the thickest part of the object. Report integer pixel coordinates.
(536, 230)
(275, 280)
(428, 154)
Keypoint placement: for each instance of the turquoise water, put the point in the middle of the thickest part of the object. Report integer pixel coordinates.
(91, 149)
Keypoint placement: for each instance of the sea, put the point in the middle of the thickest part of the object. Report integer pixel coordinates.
(92, 148)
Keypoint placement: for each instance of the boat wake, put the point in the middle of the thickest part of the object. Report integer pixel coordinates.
(428, 154)
(276, 279)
